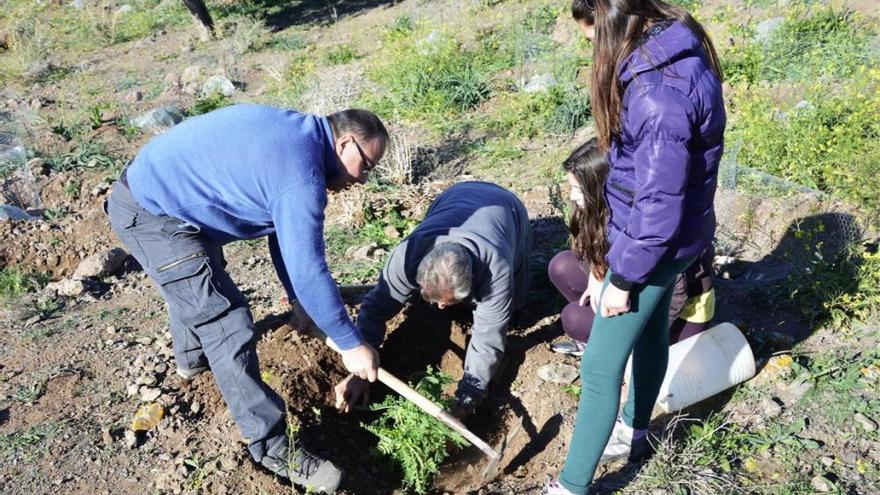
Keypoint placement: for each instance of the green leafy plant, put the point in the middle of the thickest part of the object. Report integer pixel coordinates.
(832, 286)
(572, 390)
(342, 54)
(87, 154)
(197, 475)
(208, 104)
(14, 282)
(416, 441)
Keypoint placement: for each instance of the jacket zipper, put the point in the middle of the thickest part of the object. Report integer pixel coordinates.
(197, 254)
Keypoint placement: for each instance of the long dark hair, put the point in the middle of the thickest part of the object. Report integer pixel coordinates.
(587, 225)
(619, 26)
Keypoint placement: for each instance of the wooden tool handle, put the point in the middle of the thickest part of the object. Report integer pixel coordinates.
(434, 410)
(409, 393)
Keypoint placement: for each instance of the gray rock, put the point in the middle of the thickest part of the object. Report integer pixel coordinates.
(12, 151)
(229, 463)
(150, 394)
(765, 29)
(364, 252)
(558, 373)
(99, 189)
(9, 212)
(804, 105)
(159, 119)
(770, 408)
(106, 436)
(791, 394)
(148, 380)
(539, 83)
(125, 9)
(821, 484)
(67, 288)
(130, 439)
(101, 264)
(191, 75)
(218, 84)
(865, 422)
(78, 4)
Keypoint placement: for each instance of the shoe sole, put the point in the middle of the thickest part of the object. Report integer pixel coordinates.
(566, 352)
(642, 454)
(191, 373)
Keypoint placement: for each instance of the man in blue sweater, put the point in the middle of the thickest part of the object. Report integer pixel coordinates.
(243, 172)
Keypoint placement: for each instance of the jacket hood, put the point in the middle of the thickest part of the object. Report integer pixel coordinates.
(659, 51)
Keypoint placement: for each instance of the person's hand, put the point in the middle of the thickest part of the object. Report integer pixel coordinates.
(614, 301)
(594, 289)
(461, 413)
(362, 361)
(349, 391)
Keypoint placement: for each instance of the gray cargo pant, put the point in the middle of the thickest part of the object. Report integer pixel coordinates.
(209, 317)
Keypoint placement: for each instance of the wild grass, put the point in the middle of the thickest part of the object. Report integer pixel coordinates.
(808, 44)
(828, 141)
(40, 31)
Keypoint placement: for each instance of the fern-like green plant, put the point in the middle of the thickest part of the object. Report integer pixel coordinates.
(416, 441)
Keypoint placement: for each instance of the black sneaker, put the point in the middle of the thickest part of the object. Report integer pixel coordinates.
(304, 469)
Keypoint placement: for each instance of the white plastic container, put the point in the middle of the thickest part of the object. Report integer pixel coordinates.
(704, 365)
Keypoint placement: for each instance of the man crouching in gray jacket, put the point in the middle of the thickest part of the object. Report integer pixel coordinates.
(473, 245)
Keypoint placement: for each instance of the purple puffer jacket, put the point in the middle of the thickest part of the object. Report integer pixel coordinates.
(664, 165)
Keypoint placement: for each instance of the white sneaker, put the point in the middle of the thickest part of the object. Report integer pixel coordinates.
(621, 445)
(553, 487)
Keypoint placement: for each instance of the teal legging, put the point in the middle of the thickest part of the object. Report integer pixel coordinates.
(644, 331)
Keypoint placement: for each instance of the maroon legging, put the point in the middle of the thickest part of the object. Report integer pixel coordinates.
(570, 278)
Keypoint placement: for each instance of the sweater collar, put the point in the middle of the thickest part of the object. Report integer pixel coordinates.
(331, 162)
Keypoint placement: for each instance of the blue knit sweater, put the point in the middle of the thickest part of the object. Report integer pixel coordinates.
(248, 171)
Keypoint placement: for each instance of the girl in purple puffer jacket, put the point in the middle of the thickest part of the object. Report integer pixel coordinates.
(659, 112)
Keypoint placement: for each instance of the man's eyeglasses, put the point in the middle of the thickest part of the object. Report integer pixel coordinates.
(368, 165)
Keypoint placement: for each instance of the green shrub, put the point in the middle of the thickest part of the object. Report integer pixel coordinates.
(341, 54)
(830, 141)
(528, 115)
(208, 104)
(15, 282)
(836, 289)
(401, 27)
(805, 46)
(377, 216)
(290, 83)
(428, 77)
(572, 113)
(542, 18)
(144, 20)
(416, 441)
